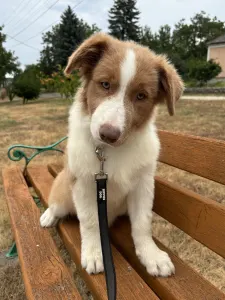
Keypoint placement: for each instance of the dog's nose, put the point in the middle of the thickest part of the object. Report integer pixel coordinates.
(109, 133)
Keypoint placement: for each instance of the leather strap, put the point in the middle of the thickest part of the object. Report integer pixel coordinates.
(110, 274)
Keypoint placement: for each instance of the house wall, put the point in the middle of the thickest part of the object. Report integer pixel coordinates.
(217, 53)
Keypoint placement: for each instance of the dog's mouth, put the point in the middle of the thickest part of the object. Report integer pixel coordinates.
(111, 144)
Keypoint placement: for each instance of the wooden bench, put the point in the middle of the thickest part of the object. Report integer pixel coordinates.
(47, 277)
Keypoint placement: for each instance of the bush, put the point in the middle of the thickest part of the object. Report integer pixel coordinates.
(27, 86)
(179, 64)
(203, 71)
(66, 86)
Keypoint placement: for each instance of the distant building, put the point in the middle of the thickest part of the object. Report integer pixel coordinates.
(216, 51)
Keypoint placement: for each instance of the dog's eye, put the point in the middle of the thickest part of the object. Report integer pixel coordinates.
(140, 96)
(105, 85)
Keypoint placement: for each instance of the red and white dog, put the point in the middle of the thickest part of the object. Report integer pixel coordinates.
(122, 83)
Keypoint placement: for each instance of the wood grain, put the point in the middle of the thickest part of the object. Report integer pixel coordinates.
(201, 156)
(186, 284)
(130, 285)
(44, 272)
(54, 169)
(198, 216)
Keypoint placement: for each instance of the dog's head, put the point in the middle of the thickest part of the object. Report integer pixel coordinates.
(123, 82)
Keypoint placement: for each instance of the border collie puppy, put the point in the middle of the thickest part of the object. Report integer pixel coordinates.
(115, 107)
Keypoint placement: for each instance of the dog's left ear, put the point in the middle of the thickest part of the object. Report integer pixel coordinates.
(170, 84)
(87, 55)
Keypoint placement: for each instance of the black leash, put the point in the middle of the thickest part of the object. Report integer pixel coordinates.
(101, 182)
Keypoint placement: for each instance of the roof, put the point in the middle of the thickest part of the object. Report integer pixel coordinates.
(218, 40)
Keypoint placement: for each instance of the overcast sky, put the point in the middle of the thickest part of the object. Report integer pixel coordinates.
(18, 14)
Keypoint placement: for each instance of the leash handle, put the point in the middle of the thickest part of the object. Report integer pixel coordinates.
(110, 274)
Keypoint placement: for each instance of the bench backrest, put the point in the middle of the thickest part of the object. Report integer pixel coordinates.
(200, 217)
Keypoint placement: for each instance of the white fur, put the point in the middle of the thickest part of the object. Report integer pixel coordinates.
(112, 110)
(130, 167)
(48, 218)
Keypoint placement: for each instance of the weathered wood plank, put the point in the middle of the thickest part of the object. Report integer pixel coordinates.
(54, 169)
(130, 284)
(44, 272)
(186, 284)
(201, 156)
(198, 216)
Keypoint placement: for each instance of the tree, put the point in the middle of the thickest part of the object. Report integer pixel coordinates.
(62, 40)
(8, 62)
(147, 38)
(190, 39)
(123, 20)
(70, 34)
(187, 43)
(203, 71)
(27, 85)
(46, 62)
(164, 39)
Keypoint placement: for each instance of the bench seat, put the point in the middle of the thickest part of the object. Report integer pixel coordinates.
(47, 277)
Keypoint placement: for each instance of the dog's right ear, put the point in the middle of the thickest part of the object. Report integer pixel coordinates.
(86, 56)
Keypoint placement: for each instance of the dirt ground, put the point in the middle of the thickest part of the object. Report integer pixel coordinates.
(44, 121)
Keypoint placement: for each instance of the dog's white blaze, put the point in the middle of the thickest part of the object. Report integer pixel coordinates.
(112, 110)
(128, 69)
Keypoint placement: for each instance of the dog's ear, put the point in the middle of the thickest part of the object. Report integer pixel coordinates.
(170, 84)
(86, 56)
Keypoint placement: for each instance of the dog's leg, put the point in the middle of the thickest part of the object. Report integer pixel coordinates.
(84, 196)
(140, 202)
(60, 200)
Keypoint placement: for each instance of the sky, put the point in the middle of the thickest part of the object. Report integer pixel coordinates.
(37, 15)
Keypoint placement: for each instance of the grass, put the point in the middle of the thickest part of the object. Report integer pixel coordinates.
(45, 121)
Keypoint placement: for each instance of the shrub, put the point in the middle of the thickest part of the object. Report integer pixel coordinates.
(66, 86)
(27, 86)
(203, 71)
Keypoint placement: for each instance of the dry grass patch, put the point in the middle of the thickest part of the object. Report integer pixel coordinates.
(45, 121)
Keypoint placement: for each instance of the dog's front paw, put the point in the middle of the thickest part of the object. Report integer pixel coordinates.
(48, 219)
(91, 260)
(156, 261)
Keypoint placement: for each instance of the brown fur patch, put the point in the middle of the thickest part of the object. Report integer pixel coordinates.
(88, 54)
(170, 84)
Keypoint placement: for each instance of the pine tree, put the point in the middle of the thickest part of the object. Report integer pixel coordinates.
(70, 34)
(123, 20)
(62, 40)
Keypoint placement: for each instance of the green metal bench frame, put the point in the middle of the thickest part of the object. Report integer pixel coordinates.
(17, 153)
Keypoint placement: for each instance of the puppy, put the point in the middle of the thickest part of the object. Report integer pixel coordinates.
(122, 83)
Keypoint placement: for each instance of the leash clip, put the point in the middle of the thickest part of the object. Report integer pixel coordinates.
(100, 155)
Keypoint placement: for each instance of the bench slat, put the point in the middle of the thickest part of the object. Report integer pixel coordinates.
(201, 156)
(44, 272)
(54, 169)
(198, 216)
(185, 284)
(130, 285)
